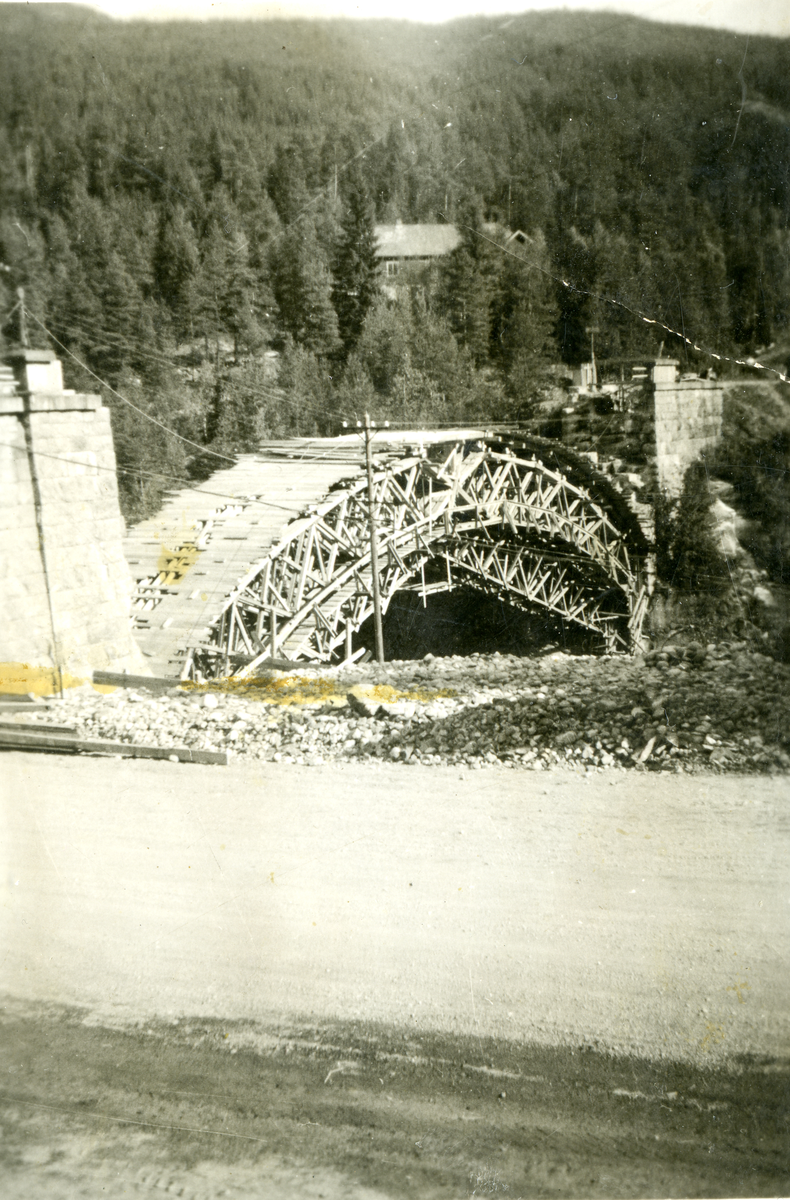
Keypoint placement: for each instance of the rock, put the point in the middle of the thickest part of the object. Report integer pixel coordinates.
(706, 710)
(363, 707)
(647, 751)
(764, 596)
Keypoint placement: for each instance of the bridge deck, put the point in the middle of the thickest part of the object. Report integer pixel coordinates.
(247, 506)
(226, 525)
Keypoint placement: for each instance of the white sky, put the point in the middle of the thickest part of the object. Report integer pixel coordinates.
(746, 16)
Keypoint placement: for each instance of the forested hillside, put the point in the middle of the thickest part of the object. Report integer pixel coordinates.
(176, 199)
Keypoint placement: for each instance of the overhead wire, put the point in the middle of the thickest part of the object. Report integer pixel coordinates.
(191, 485)
(342, 168)
(322, 191)
(135, 472)
(720, 357)
(555, 278)
(119, 340)
(235, 498)
(266, 388)
(148, 416)
(136, 407)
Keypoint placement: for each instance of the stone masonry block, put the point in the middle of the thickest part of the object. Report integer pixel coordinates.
(15, 520)
(14, 472)
(90, 582)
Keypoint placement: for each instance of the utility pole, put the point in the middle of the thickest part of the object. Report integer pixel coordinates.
(368, 427)
(20, 291)
(592, 330)
(374, 551)
(37, 501)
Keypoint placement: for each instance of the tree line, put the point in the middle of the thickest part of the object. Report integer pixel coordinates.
(178, 199)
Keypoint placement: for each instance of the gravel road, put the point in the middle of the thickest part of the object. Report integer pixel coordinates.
(362, 982)
(639, 912)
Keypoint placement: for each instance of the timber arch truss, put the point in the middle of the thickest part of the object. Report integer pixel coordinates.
(481, 513)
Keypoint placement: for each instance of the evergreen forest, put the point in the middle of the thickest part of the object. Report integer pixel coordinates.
(189, 209)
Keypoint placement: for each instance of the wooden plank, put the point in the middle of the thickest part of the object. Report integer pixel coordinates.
(45, 727)
(23, 740)
(245, 637)
(154, 683)
(126, 750)
(60, 743)
(306, 556)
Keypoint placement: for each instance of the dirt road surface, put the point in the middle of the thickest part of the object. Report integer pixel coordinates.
(622, 938)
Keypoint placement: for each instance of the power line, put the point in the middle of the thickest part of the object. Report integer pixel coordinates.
(264, 389)
(188, 441)
(75, 329)
(268, 390)
(324, 189)
(625, 307)
(141, 411)
(136, 471)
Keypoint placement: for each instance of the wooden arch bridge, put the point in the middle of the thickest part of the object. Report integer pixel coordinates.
(521, 517)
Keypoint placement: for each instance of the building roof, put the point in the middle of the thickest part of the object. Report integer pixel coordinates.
(415, 241)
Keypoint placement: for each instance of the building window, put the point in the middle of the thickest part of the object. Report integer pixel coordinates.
(393, 266)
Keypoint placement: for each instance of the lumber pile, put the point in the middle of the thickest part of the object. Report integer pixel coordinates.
(39, 735)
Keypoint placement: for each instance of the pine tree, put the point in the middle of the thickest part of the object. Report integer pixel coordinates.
(286, 185)
(242, 306)
(318, 331)
(245, 408)
(525, 323)
(226, 294)
(417, 398)
(149, 460)
(74, 312)
(356, 267)
(689, 558)
(470, 284)
(302, 287)
(307, 391)
(384, 344)
(355, 394)
(176, 263)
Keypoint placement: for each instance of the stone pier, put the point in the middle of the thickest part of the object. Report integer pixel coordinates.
(64, 582)
(657, 425)
(687, 415)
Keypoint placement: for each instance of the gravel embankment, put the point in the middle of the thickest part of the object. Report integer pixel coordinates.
(718, 707)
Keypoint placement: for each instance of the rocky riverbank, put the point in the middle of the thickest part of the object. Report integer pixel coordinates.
(720, 707)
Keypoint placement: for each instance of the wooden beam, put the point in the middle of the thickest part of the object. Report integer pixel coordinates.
(69, 744)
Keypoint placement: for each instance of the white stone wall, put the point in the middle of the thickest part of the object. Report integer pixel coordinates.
(25, 617)
(90, 584)
(688, 420)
